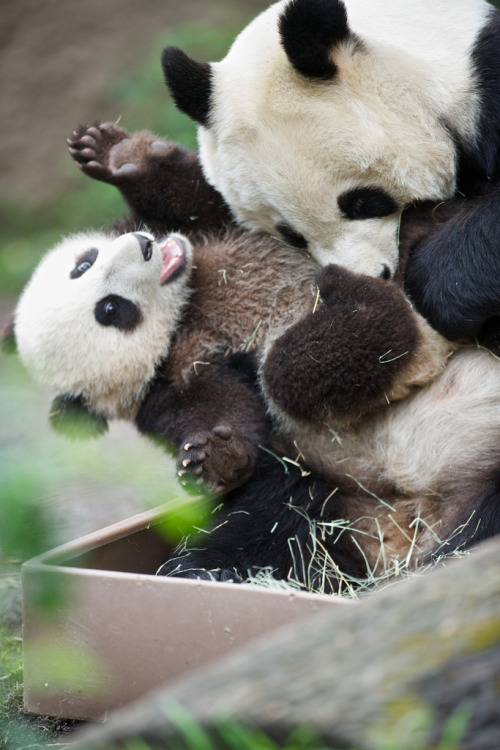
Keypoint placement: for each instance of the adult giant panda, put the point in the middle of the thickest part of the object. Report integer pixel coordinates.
(396, 443)
(326, 118)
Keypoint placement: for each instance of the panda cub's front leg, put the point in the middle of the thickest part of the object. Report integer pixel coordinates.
(220, 456)
(362, 347)
(216, 420)
(162, 182)
(96, 151)
(109, 153)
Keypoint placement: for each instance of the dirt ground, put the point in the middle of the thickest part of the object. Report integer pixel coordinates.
(56, 60)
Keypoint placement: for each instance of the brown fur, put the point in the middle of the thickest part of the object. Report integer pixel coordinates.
(334, 348)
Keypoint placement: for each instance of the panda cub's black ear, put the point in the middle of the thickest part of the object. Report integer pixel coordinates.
(309, 30)
(8, 337)
(69, 416)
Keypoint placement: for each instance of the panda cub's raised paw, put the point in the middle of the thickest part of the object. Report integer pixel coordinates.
(108, 153)
(218, 458)
(91, 146)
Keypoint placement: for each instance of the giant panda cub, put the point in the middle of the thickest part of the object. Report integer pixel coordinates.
(392, 442)
(326, 118)
(96, 318)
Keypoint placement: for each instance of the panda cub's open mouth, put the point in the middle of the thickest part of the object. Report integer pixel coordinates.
(173, 259)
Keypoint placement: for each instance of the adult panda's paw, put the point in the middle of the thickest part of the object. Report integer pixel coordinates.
(218, 458)
(108, 153)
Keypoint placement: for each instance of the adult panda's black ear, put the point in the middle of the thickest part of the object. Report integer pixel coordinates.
(190, 84)
(309, 30)
(8, 337)
(71, 417)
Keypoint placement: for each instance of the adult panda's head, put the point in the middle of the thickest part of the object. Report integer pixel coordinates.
(321, 124)
(98, 316)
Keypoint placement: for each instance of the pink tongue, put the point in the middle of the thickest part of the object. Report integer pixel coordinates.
(173, 255)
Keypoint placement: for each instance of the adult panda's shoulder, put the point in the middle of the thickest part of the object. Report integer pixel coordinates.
(480, 158)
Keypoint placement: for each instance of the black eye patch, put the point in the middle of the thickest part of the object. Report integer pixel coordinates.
(366, 203)
(84, 262)
(117, 311)
(291, 237)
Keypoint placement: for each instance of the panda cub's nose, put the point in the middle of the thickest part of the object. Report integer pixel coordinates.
(146, 245)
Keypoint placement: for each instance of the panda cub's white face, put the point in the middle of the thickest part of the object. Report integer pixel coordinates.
(99, 313)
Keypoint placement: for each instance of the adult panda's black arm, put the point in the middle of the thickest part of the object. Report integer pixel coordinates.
(215, 421)
(453, 274)
(479, 152)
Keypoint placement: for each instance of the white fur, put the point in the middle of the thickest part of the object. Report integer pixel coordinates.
(66, 349)
(438, 442)
(282, 147)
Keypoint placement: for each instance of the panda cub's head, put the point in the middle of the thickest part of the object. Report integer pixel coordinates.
(326, 118)
(98, 315)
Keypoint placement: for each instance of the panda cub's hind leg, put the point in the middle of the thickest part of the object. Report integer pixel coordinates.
(222, 458)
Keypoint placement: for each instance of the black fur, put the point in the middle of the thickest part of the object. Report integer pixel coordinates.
(453, 275)
(84, 262)
(482, 523)
(288, 522)
(146, 246)
(190, 84)
(168, 194)
(479, 162)
(366, 203)
(309, 29)
(270, 523)
(71, 417)
(220, 413)
(291, 237)
(118, 312)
